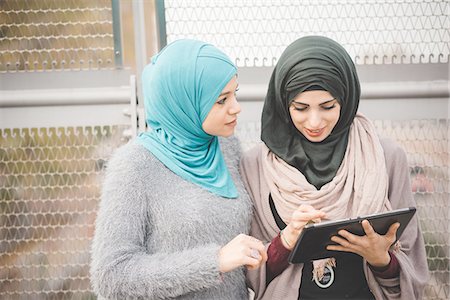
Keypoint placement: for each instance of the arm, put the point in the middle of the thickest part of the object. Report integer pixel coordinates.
(250, 172)
(413, 275)
(122, 267)
(277, 260)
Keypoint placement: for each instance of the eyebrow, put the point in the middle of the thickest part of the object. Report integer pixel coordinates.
(224, 93)
(325, 102)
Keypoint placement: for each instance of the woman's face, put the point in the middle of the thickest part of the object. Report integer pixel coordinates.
(222, 118)
(314, 114)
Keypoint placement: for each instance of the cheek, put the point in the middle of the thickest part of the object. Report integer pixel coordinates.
(209, 123)
(336, 117)
(296, 118)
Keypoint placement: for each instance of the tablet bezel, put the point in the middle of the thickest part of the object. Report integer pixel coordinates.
(314, 238)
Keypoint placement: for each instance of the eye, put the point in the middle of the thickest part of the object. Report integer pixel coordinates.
(329, 107)
(299, 108)
(222, 101)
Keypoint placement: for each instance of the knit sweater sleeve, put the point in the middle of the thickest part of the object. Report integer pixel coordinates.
(122, 265)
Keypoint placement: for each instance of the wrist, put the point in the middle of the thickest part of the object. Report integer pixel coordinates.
(382, 263)
(222, 263)
(286, 240)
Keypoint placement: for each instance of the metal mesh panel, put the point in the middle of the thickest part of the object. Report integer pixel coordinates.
(255, 32)
(49, 190)
(47, 35)
(426, 146)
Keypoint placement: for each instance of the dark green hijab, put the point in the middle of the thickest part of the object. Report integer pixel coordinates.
(312, 62)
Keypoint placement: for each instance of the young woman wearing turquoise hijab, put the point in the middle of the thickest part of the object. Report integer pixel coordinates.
(322, 160)
(173, 207)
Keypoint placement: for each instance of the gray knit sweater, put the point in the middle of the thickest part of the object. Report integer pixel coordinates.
(157, 235)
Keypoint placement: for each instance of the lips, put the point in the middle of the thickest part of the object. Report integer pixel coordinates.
(232, 123)
(314, 132)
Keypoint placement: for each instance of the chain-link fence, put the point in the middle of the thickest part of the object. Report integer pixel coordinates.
(49, 189)
(56, 35)
(255, 32)
(426, 146)
(61, 104)
(50, 176)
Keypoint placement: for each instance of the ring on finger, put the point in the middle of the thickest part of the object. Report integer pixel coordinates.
(255, 253)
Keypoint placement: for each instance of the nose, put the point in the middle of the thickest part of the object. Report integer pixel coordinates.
(314, 119)
(235, 107)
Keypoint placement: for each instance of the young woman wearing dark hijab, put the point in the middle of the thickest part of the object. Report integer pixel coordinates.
(321, 160)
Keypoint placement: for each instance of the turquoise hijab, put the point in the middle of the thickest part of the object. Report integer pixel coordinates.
(180, 86)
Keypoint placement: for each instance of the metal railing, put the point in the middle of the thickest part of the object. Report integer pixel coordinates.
(68, 100)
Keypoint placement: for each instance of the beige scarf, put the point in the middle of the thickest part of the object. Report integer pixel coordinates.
(360, 186)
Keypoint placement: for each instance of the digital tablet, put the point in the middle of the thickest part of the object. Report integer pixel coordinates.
(315, 237)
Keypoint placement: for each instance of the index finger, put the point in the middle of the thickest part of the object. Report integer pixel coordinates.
(307, 216)
(368, 229)
(306, 208)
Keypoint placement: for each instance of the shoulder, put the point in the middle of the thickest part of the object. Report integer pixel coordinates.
(398, 171)
(394, 154)
(130, 159)
(250, 159)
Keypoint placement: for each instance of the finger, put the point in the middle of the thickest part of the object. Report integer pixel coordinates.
(255, 243)
(392, 232)
(368, 229)
(305, 208)
(255, 254)
(264, 255)
(254, 266)
(307, 216)
(353, 239)
(251, 262)
(309, 209)
(251, 241)
(341, 241)
(260, 248)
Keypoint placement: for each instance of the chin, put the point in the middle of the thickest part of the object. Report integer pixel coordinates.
(226, 134)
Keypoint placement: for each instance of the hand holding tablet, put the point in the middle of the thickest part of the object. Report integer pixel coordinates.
(314, 239)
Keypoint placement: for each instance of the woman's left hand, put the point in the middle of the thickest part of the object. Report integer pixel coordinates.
(372, 246)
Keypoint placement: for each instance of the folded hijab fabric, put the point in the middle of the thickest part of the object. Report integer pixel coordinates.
(310, 62)
(180, 86)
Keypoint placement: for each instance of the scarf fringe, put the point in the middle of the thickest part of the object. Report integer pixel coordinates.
(396, 247)
(319, 267)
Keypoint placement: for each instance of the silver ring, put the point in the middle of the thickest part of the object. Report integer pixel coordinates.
(255, 254)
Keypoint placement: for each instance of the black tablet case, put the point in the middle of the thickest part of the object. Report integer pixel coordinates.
(314, 238)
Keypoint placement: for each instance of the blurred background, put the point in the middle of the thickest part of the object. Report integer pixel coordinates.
(70, 94)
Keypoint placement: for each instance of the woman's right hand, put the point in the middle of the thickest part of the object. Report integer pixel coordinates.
(300, 217)
(243, 250)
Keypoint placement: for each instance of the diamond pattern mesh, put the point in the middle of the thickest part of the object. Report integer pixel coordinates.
(427, 149)
(254, 33)
(50, 177)
(45, 35)
(49, 189)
